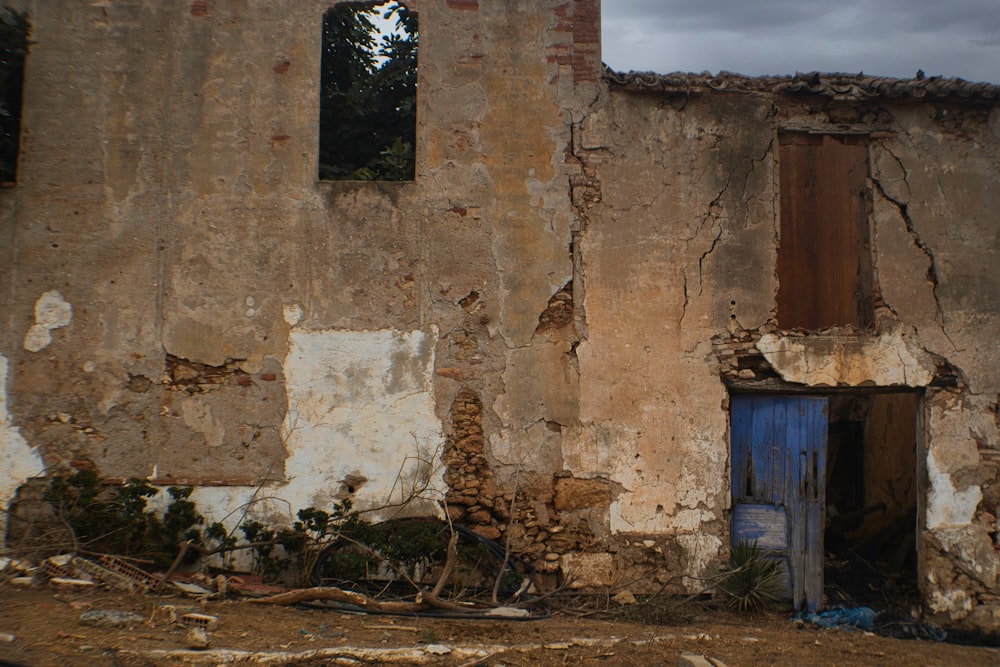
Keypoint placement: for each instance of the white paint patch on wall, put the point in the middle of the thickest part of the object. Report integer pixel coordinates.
(889, 360)
(954, 602)
(232, 506)
(672, 494)
(952, 452)
(51, 312)
(360, 403)
(947, 506)
(18, 461)
(701, 551)
(293, 314)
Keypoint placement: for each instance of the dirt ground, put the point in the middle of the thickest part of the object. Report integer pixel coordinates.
(47, 630)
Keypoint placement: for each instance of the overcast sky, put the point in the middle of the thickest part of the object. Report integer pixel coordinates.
(757, 37)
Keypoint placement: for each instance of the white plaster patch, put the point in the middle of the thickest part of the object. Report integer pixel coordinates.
(657, 501)
(955, 602)
(690, 521)
(293, 314)
(51, 312)
(945, 505)
(360, 402)
(18, 461)
(971, 545)
(37, 338)
(622, 514)
(889, 360)
(232, 506)
(702, 475)
(702, 551)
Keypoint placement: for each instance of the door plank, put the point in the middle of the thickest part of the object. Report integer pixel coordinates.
(778, 458)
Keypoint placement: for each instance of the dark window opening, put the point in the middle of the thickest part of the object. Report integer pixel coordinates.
(824, 261)
(368, 114)
(13, 49)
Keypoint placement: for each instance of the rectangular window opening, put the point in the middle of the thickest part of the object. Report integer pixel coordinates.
(368, 90)
(824, 261)
(14, 31)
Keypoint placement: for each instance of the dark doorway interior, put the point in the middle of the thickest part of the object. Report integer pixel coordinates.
(871, 500)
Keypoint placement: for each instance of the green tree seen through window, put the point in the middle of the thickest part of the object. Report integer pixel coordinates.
(368, 93)
(13, 49)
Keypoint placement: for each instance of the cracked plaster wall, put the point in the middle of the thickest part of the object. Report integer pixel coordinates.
(685, 206)
(222, 299)
(682, 247)
(937, 241)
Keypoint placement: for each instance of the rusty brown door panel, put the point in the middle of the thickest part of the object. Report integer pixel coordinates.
(824, 263)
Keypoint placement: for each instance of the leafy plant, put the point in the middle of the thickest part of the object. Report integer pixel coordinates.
(292, 552)
(217, 534)
(751, 581)
(115, 520)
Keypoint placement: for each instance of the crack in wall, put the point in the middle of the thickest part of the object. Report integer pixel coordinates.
(714, 215)
(753, 166)
(585, 192)
(919, 243)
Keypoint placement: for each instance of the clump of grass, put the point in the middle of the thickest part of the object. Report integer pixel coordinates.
(751, 581)
(429, 636)
(651, 610)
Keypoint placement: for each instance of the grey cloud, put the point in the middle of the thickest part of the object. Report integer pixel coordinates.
(755, 37)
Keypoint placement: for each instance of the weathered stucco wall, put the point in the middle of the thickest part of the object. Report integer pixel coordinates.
(659, 283)
(226, 320)
(682, 248)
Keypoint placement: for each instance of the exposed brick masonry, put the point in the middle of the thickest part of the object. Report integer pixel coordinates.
(559, 311)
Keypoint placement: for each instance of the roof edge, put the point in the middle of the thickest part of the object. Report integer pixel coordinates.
(831, 85)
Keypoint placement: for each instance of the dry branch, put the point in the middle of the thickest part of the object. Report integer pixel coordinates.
(424, 600)
(449, 566)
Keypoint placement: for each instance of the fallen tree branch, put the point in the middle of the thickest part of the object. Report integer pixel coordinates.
(420, 603)
(424, 599)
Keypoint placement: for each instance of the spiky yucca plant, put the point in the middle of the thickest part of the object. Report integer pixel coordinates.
(751, 580)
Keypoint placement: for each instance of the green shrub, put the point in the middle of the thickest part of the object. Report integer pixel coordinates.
(114, 519)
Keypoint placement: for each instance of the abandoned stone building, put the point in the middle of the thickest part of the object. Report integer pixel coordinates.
(622, 320)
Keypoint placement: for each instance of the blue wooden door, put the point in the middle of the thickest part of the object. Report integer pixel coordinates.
(778, 462)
